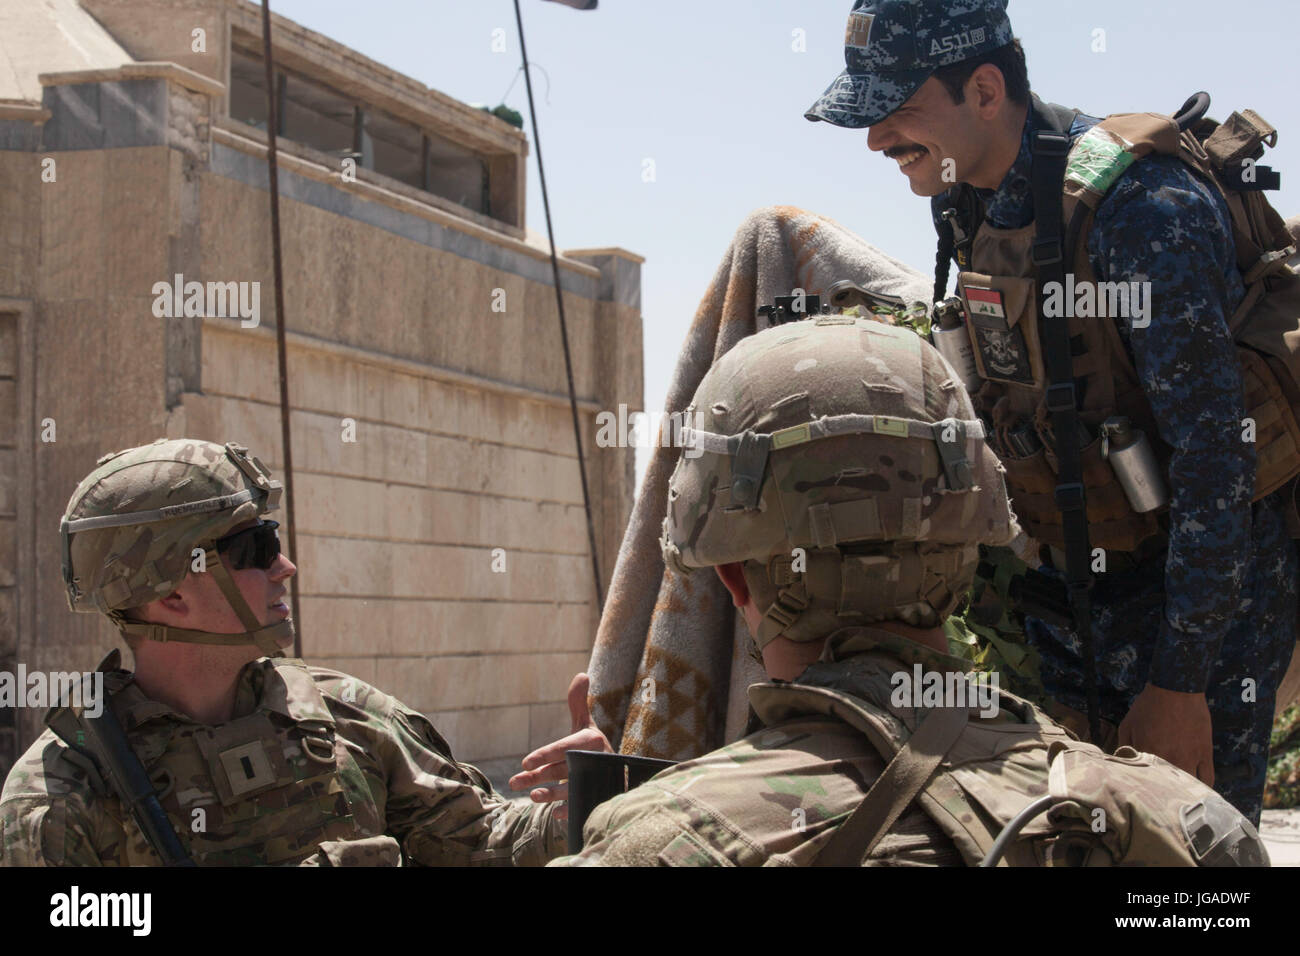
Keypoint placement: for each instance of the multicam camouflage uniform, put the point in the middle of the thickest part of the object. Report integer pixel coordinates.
(778, 796)
(351, 776)
(842, 463)
(315, 767)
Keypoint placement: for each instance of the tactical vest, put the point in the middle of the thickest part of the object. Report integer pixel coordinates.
(991, 769)
(262, 789)
(999, 292)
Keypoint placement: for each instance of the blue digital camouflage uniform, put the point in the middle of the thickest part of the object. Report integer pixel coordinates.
(890, 49)
(1216, 612)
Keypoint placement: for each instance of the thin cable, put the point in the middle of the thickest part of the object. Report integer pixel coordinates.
(535, 66)
(1010, 831)
(272, 124)
(564, 328)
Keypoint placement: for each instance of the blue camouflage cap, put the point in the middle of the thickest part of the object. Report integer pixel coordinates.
(891, 47)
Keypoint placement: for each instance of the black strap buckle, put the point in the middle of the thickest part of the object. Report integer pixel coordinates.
(1051, 143)
(1061, 397)
(1069, 497)
(1079, 590)
(1047, 252)
(1252, 178)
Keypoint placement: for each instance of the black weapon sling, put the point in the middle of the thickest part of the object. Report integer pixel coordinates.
(1050, 148)
(104, 752)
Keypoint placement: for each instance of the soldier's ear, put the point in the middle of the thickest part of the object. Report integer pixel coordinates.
(987, 90)
(174, 603)
(733, 579)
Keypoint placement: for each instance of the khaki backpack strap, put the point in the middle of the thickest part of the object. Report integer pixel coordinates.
(895, 789)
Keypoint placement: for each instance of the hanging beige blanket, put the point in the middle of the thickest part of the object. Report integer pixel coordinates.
(670, 667)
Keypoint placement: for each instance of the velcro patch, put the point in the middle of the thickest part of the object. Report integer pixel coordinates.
(985, 302)
(687, 849)
(858, 32)
(1099, 157)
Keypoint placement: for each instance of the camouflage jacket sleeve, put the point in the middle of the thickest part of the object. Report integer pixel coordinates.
(1161, 225)
(46, 813)
(446, 813)
(773, 798)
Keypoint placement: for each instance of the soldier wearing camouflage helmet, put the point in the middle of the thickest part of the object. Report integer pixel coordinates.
(257, 758)
(841, 493)
(139, 522)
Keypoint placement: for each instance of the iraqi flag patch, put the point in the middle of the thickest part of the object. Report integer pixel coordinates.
(985, 303)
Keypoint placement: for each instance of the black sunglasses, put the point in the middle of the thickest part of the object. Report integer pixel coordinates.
(255, 547)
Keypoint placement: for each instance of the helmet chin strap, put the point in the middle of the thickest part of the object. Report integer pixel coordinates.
(791, 601)
(270, 640)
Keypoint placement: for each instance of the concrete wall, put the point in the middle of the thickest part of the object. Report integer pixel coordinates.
(463, 437)
(8, 521)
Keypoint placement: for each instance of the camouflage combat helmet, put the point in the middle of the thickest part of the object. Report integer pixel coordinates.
(132, 526)
(843, 453)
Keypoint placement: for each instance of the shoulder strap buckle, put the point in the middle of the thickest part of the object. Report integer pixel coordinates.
(1047, 252)
(1051, 143)
(953, 218)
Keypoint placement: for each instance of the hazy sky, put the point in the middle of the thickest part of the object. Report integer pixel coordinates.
(713, 91)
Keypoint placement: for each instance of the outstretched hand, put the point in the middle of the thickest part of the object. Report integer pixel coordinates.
(1174, 726)
(546, 765)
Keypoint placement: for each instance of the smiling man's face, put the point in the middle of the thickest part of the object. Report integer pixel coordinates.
(930, 136)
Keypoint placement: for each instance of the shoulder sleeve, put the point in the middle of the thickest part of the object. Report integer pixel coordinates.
(1163, 227)
(647, 826)
(45, 832)
(446, 813)
(45, 813)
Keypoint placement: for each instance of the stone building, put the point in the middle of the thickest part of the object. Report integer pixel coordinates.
(430, 416)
